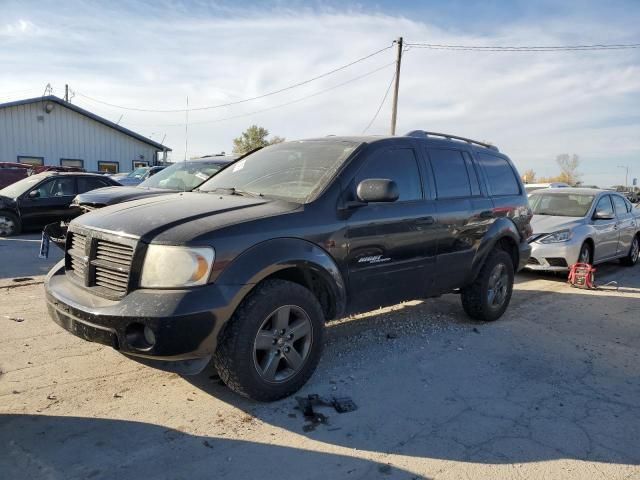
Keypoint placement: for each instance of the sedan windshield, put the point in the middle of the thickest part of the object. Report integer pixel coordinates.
(182, 176)
(561, 204)
(16, 189)
(294, 171)
(139, 172)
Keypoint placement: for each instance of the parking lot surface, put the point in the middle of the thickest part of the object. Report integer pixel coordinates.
(551, 390)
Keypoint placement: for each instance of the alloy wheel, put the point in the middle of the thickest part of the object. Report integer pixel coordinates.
(282, 344)
(635, 250)
(7, 226)
(585, 255)
(498, 286)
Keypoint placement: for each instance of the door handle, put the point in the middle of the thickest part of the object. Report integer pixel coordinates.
(426, 221)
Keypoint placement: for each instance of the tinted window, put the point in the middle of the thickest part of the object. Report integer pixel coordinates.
(621, 206)
(450, 173)
(604, 205)
(60, 187)
(473, 176)
(398, 165)
(89, 183)
(500, 175)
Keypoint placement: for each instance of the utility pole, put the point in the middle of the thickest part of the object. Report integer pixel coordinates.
(626, 175)
(66, 92)
(394, 112)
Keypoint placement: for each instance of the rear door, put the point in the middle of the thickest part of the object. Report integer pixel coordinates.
(607, 233)
(391, 244)
(463, 214)
(626, 225)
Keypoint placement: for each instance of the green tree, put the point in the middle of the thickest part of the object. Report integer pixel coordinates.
(252, 138)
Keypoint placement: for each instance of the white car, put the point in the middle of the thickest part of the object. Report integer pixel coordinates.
(582, 225)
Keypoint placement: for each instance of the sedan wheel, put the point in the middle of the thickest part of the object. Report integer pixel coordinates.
(8, 225)
(585, 254)
(634, 252)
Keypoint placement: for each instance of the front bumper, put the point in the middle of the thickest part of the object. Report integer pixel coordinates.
(185, 323)
(553, 257)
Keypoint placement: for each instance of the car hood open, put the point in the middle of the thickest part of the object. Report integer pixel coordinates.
(112, 195)
(550, 223)
(179, 218)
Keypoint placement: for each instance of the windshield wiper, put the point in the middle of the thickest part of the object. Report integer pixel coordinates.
(237, 191)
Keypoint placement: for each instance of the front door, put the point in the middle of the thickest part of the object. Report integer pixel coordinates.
(626, 225)
(48, 203)
(607, 233)
(391, 245)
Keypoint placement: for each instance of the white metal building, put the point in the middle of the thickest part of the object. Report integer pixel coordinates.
(49, 131)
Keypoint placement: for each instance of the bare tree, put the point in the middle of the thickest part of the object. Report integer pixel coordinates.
(569, 168)
(529, 176)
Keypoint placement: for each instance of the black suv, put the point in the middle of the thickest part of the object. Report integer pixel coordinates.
(249, 267)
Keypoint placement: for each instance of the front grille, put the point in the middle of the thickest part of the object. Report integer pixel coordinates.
(76, 252)
(99, 263)
(533, 261)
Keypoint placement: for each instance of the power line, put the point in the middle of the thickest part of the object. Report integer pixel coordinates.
(386, 94)
(274, 107)
(237, 102)
(524, 48)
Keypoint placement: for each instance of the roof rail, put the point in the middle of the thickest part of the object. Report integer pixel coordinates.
(425, 134)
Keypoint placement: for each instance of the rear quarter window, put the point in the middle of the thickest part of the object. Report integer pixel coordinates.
(500, 175)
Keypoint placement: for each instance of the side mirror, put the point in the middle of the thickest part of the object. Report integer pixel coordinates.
(34, 194)
(602, 215)
(377, 190)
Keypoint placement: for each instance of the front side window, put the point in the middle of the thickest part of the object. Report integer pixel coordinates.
(397, 164)
(500, 176)
(561, 204)
(450, 173)
(294, 171)
(58, 187)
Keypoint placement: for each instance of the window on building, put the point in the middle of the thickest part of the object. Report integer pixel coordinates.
(502, 180)
(399, 165)
(35, 161)
(108, 167)
(450, 173)
(86, 184)
(72, 162)
(139, 163)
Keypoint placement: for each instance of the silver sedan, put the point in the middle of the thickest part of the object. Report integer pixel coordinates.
(582, 225)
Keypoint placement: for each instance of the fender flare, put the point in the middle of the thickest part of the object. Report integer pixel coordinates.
(501, 228)
(271, 256)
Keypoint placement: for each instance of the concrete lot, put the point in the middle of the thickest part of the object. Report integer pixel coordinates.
(552, 390)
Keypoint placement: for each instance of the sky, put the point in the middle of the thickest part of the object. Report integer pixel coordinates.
(155, 55)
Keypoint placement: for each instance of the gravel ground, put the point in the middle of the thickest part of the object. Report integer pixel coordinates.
(552, 390)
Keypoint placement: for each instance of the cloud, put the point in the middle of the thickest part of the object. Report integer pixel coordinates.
(533, 106)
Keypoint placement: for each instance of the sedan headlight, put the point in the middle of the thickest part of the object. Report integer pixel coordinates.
(557, 237)
(174, 267)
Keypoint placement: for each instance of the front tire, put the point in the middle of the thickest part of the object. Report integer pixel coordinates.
(634, 252)
(487, 298)
(586, 254)
(9, 224)
(272, 343)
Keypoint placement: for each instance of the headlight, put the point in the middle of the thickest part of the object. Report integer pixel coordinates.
(557, 237)
(174, 267)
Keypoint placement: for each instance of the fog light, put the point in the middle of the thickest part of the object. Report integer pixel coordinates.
(149, 336)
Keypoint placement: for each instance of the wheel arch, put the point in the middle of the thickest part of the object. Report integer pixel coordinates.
(291, 259)
(503, 234)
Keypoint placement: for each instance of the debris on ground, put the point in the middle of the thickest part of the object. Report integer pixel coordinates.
(14, 319)
(306, 404)
(22, 279)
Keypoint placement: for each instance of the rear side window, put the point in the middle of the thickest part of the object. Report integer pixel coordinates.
(86, 184)
(397, 164)
(500, 176)
(620, 204)
(450, 173)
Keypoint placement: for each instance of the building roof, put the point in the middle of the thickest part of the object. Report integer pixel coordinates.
(86, 113)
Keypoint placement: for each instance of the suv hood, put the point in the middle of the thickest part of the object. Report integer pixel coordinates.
(550, 223)
(179, 218)
(113, 195)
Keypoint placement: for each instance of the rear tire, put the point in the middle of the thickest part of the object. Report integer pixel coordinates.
(9, 224)
(487, 298)
(634, 252)
(273, 342)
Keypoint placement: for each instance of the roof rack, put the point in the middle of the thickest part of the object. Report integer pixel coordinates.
(425, 134)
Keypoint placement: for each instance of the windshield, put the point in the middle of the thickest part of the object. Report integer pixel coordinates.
(292, 171)
(182, 176)
(561, 204)
(138, 172)
(16, 189)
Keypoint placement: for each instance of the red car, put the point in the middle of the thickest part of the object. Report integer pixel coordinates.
(12, 172)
